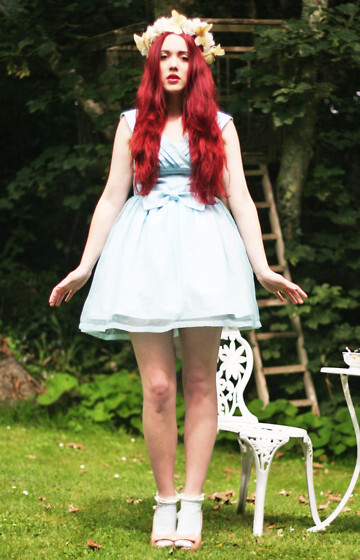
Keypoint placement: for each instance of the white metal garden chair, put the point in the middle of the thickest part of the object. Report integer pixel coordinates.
(257, 440)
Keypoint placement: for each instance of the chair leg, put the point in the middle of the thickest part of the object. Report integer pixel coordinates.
(308, 455)
(247, 457)
(264, 449)
(261, 483)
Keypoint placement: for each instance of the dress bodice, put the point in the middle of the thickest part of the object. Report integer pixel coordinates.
(174, 181)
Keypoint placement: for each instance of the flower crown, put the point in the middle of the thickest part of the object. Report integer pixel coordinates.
(180, 24)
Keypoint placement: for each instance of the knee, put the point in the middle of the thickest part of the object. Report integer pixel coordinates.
(159, 394)
(199, 385)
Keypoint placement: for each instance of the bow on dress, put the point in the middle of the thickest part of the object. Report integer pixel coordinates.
(158, 199)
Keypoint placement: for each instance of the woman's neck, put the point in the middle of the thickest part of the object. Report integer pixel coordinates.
(174, 105)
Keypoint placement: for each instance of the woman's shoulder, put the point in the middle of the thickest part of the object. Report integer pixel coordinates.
(130, 116)
(223, 119)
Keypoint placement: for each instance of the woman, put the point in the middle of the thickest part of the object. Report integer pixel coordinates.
(173, 258)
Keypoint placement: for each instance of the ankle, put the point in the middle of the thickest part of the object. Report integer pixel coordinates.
(190, 514)
(164, 522)
(196, 498)
(167, 500)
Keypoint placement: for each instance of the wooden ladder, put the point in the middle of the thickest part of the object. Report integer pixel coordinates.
(260, 187)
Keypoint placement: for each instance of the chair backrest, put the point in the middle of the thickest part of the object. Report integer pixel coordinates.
(235, 364)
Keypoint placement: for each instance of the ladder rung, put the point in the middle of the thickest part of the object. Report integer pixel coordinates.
(262, 205)
(302, 402)
(277, 267)
(271, 335)
(269, 302)
(253, 172)
(269, 236)
(297, 368)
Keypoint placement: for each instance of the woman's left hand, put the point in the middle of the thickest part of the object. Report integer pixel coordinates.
(281, 287)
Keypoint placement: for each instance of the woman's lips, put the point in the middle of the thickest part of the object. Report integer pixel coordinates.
(173, 79)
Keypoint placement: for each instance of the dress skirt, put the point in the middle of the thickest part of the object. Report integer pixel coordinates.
(171, 262)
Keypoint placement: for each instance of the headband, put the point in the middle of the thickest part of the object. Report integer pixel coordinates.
(180, 24)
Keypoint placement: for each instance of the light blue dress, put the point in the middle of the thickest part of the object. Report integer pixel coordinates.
(171, 261)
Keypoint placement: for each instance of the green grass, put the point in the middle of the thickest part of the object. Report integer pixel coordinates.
(113, 468)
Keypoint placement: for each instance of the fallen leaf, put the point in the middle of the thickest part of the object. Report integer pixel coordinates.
(271, 526)
(179, 488)
(133, 501)
(228, 470)
(357, 512)
(42, 498)
(323, 506)
(346, 508)
(251, 499)
(222, 497)
(176, 476)
(47, 506)
(31, 456)
(279, 454)
(318, 466)
(302, 500)
(72, 509)
(284, 492)
(215, 508)
(75, 445)
(92, 544)
(333, 497)
(84, 471)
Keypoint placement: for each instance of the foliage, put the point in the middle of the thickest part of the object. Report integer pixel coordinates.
(302, 65)
(331, 435)
(299, 61)
(117, 398)
(61, 96)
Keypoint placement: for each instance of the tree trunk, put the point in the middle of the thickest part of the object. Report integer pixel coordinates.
(298, 143)
(296, 155)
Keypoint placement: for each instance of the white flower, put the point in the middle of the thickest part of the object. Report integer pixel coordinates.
(180, 24)
(25, 492)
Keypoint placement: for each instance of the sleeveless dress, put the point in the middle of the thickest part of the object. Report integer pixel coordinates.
(171, 261)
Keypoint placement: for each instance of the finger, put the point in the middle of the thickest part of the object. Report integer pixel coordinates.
(69, 295)
(280, 296)
(295, 297)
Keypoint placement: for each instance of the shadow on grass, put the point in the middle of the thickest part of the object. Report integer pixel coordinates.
(136, 519)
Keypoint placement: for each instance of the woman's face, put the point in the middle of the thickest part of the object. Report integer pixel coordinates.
(174, 64)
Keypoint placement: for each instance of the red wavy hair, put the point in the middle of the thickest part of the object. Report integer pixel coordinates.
(199, 118)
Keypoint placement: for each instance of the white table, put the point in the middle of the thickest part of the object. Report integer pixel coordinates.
(344, 375)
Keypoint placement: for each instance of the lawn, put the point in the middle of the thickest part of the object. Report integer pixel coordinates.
(46, 472)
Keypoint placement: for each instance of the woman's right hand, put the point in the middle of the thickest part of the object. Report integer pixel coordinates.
(67, 287)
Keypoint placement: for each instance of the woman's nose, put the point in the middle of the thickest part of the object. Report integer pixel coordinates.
(173, 63)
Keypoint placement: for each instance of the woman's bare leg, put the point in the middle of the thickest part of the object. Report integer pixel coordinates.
(155, 357)
(200, 347)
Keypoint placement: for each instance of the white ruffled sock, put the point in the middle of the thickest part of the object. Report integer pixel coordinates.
(164, 522)
(189, 517)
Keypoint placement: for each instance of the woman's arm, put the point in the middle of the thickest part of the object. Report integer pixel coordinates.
(246, 217)
(110, 203)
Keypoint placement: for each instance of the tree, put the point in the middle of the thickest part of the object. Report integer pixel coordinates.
(293, 71)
